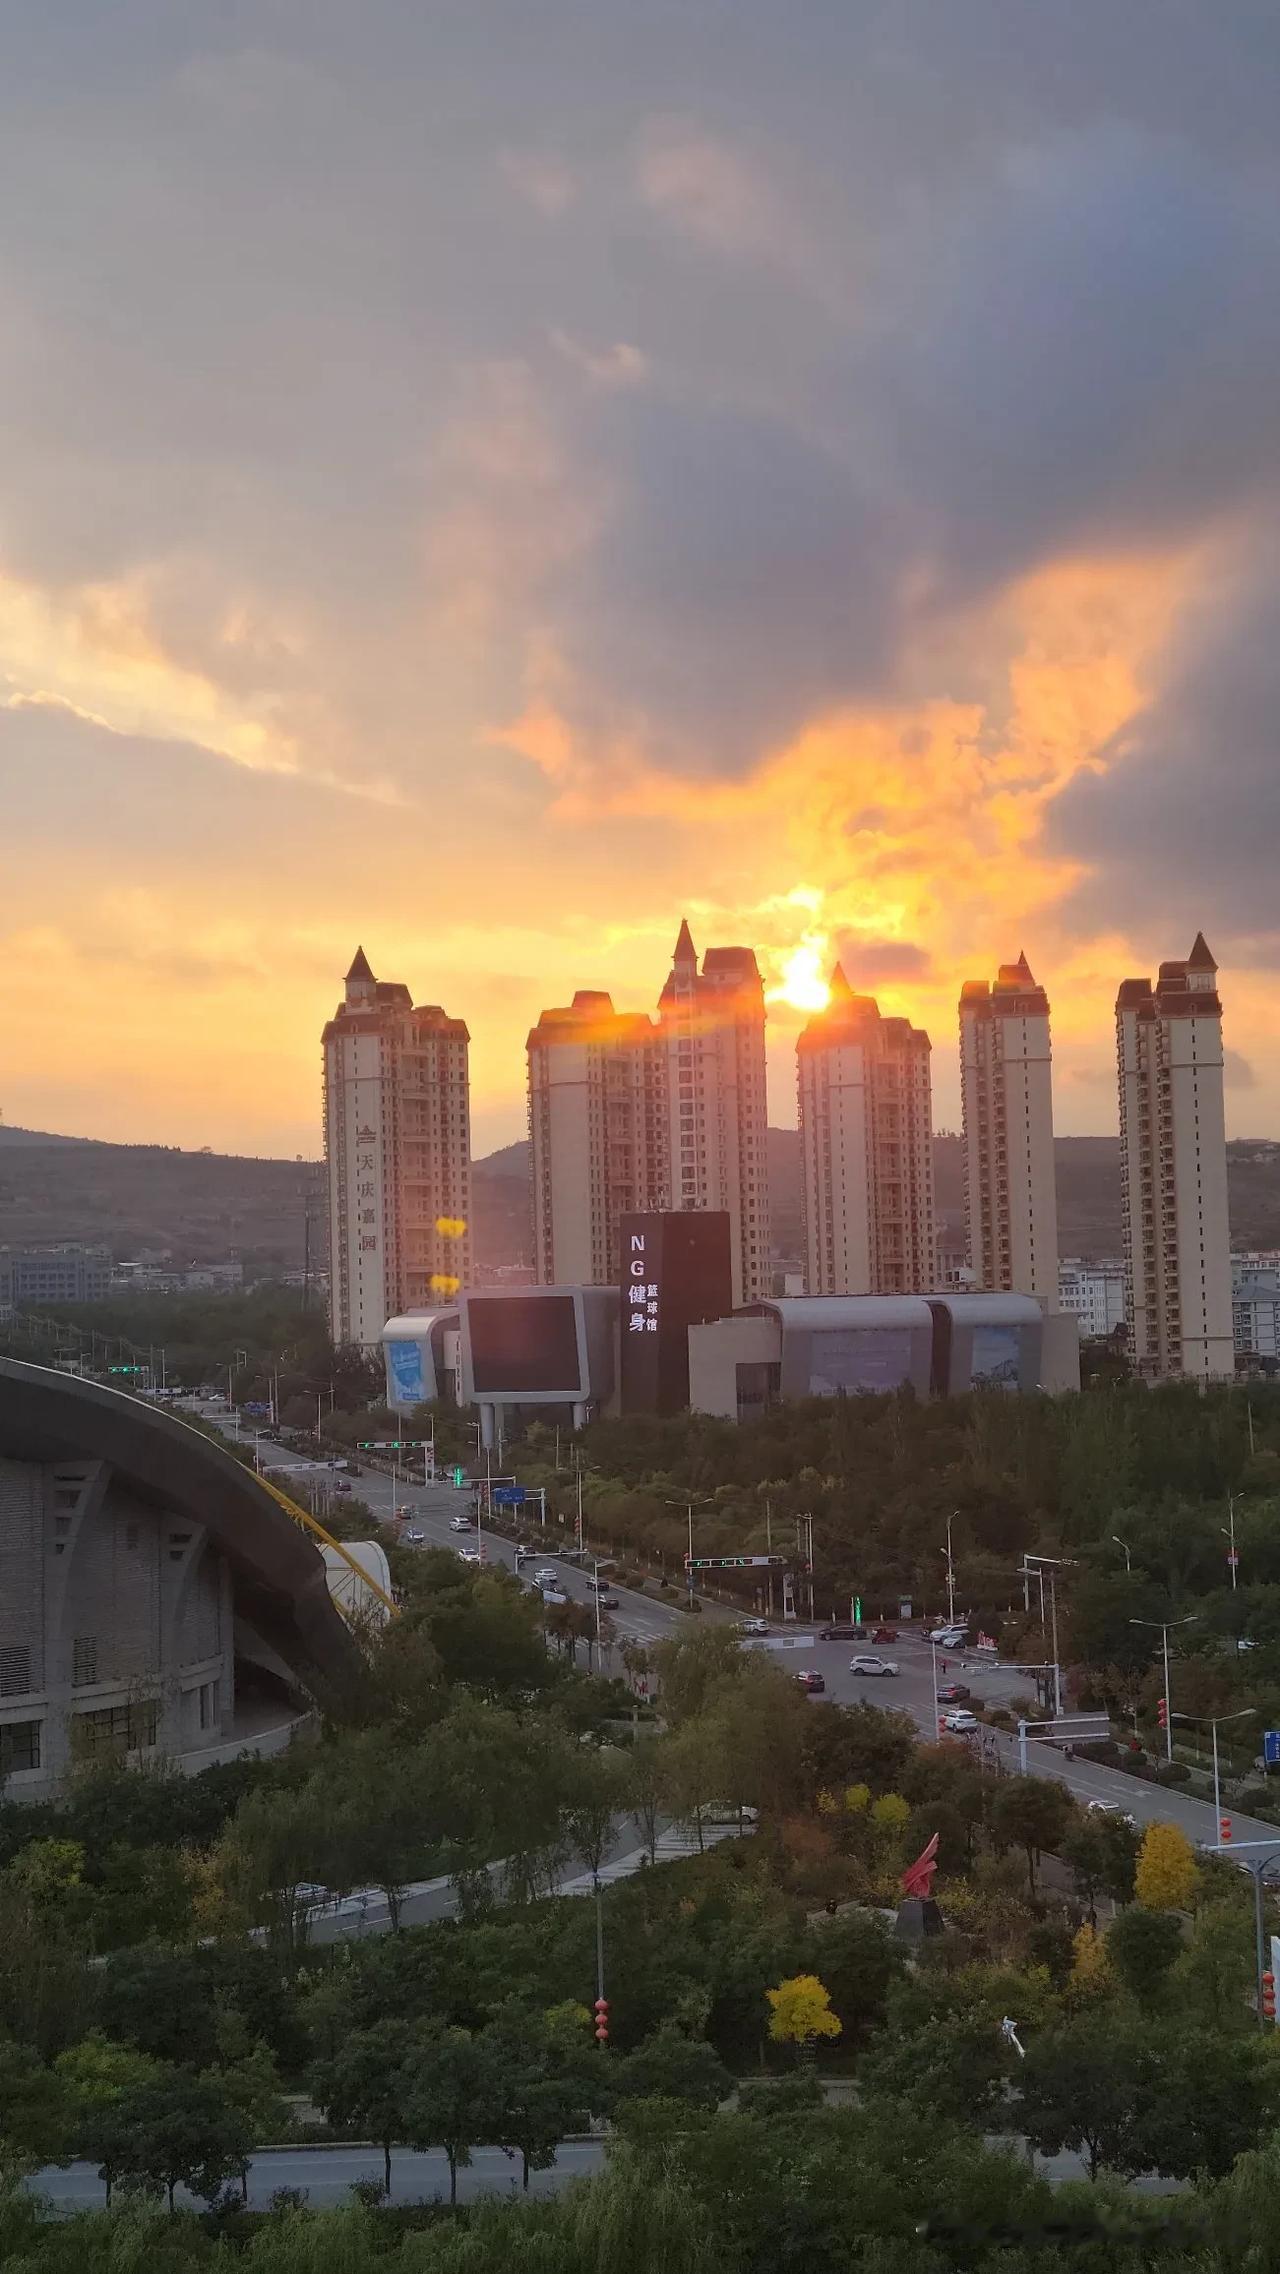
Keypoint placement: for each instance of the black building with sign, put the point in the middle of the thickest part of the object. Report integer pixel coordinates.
(676, 1273)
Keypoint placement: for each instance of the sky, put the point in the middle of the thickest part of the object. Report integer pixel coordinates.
(482, 481)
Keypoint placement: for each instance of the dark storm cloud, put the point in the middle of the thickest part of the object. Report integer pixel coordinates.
(1187, 813)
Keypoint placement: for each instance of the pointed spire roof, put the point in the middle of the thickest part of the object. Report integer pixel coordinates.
(1023, 965)
(841, 991)
(686, 952)
(360, 967)
(1200, 958)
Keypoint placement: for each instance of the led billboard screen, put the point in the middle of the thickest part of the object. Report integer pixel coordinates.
(676, 1273)
(846, 1360)
(524, 1343)
(405, 1373)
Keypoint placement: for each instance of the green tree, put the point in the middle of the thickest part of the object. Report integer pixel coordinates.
(1142, 1946)
(364, 2082)
(645, 1789)
(671, 2066)
(453, 2095)
(175, 2130)
(691, 1668)
(1082, 2087)
(1034, 1814)
(36, 2113)
(544, 2073)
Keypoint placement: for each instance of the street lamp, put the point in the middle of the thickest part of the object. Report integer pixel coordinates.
(1164, 1626)
(1213, 1720)
(1128, 1555)
(1228, 1531)
(951, 1572)
(1033, 1567)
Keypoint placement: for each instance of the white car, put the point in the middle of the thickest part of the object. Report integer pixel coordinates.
(460, 1524)
(547, 1577)
(415, 1536)
(873, 1666)
(948, 1638)
(961, 1723)
(469, 1555)
(754, 1626)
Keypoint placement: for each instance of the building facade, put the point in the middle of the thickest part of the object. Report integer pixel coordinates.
(597, 1135)
(866, 1150)
(1011, 1206)
(1255, 1310)
(712, 1032)
(397, 1137)
(1093, 1293)
(33, 1279)
(1173, 1165)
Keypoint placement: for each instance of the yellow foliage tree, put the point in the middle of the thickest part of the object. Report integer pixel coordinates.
(801, 2011)
(890, 1812)
(1091, 1968)
(857, 1798)
(1167, 1872)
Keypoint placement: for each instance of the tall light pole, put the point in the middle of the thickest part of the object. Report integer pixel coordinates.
(1128, 1553)
(1165, 1626)
(1228, 1531)
(951, 1574)
(1213, 1720)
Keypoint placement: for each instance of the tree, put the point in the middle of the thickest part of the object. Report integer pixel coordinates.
(1167, 1874)
(1090, 1970)
(177, 2129)
(544, 2072)
(1034, 1814)
(671, 2066)
(1142, 1945)
(690, 1667)
(597, 1796)
(453, 2095)
(36, 2113)
(801, 2012)
(364, 2083)
(645, 1789)
(1082, 2087)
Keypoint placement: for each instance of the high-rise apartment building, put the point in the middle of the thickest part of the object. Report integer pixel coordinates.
(397, 1140)
(1173, 1163)
(712, 1026)
(597, 1134)
(866, 1150)
(1011, 1202)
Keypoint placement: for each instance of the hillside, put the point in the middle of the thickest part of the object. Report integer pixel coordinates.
(202, 1207)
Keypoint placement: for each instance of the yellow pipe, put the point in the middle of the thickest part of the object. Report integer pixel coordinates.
(312, 1525)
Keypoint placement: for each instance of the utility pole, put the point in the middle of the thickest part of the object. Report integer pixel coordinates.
(951, 1574)
(1230, 1534)
(1164, 1626)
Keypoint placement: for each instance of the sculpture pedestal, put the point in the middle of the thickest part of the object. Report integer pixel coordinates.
(918, 1918)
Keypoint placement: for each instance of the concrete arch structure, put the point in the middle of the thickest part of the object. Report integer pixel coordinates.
(142, 1570)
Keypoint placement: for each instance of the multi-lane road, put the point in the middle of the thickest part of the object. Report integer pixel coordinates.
(645, 1619)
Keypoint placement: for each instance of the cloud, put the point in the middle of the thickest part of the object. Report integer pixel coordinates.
(541, 178)
(1238, 1074)
(869, 963)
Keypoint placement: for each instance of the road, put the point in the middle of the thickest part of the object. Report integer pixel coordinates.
(646, 1620)
(325, 2176)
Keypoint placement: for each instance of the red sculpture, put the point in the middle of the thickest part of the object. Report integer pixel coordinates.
(917, 1879)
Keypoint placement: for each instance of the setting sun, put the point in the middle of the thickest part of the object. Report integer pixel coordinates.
(802, 984)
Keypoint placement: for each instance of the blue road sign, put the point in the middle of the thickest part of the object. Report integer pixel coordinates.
(1271, 1747)
(508, 1496)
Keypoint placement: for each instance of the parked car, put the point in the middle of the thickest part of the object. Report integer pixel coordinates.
(953, 1693)
(415, 1535)
(885, 1634)
(961, 1723)
(755, 1626)
(460, 1524)
(948, 1638)
(870, 1665)
(811, 1681)
(842, 1630)
(728, 1812)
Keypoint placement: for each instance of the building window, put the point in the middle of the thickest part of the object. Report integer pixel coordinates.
(84, 1660)
(117, 1729)
(19, 1747)
(15, 1670)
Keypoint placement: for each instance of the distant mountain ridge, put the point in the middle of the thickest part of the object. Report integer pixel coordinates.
(203, 1206)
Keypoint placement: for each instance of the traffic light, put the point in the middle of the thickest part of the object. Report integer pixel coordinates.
(1162, 1713)
(602, 2020)
(1268, 1996)
(1224, 1828)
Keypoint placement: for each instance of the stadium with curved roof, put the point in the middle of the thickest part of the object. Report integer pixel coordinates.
(156, 1598)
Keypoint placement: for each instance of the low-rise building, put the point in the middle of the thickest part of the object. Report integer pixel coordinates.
(1093, 1292)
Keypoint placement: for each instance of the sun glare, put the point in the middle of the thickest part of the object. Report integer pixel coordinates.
(802, 984)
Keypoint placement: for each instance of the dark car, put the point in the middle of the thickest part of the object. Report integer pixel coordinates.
(885, 1634)
(953, 1693)
(609, 1602)
(810, 1681)
(842, 1630)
